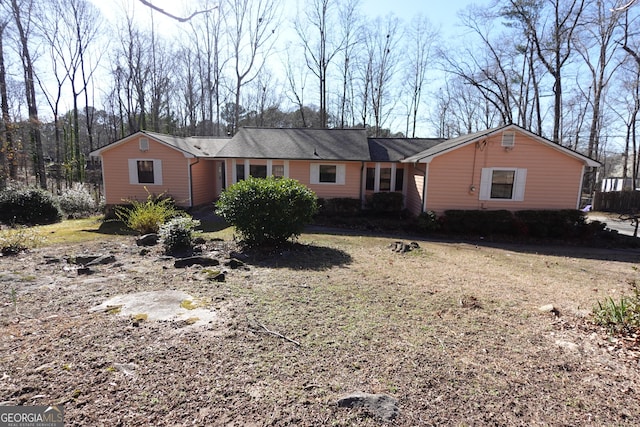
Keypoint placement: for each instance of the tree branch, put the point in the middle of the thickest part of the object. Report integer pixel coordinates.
(177, 18)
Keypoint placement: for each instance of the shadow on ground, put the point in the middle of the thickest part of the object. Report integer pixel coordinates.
(297, 256)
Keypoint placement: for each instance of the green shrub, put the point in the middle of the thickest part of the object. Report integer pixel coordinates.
(178, 233)
(385, 202)
(28, 206)
(147, 217)
(561, 223)
(619, 316)
(269, 210)
(339, 206)
(16, 240)
(427, 222)
(482, 222)
(77, 201)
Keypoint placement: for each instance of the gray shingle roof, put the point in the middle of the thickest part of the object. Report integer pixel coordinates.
(396, 149)
(298, 144)
(195, 145)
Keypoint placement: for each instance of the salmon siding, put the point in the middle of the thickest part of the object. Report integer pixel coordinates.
(550, 179)
(119, 172)
(503, 168)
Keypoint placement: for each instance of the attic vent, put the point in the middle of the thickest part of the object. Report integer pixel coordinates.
(144, 144)
(508, 139)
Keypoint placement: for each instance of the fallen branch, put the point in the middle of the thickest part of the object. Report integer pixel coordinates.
(279, 335)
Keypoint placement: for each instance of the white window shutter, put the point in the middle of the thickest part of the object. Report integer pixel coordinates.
(519, 185)
(485, 183)
(314, 177)
(157, 172)
(133, 171)
(340, 174)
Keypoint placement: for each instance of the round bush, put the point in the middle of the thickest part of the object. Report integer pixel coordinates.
(77, 201)
(28, 206)
(269, 210)
(177, 234)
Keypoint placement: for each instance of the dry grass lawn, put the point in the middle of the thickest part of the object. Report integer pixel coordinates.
(451, 330)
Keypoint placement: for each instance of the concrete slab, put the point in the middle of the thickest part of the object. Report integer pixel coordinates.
(170, 305)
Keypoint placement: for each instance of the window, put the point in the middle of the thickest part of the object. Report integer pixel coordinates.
(145, 171)
(239, 172)
(371, 179)
(258, 171)
(399, 179)
(277, 171)
(385, 179)
(502, 184)
(327, 174)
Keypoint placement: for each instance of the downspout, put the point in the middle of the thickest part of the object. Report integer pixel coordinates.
(362, 191)
(191, 181)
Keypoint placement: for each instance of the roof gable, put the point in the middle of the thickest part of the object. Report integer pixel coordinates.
(452, 144)
(191, 146)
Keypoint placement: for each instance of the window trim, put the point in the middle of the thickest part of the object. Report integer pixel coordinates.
(519, 183)
(133, 172)
(314, 177)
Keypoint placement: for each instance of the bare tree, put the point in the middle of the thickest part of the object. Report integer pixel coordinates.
(350, 28)
(320, 43)
(422, 36)
(22, 17)
(551, 24)
(491, 66)
(598, 36)
(8, 167)
(252, 29)
(207, 36)
(382, 42)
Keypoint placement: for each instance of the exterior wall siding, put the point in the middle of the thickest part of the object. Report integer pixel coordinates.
(203, 177)
(175, 170)
(553, 178)
(300, 170)
(414, 187)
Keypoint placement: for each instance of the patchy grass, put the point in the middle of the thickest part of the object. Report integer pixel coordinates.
(452, 330)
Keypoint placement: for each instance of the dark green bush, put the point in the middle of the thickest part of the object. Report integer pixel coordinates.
(385, 202)
(427, 222)
(482, 222)
(267, 210)
(561, 223)
(28, 206)
(339, 206)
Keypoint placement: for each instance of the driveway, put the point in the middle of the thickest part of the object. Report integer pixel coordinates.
(613, 222)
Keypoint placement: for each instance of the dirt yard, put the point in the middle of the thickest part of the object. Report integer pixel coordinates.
(453, 331)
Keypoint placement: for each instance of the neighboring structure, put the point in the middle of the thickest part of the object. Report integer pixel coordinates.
(503, 168)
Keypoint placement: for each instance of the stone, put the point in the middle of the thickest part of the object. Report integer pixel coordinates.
(195, 260)
(101, 260)
(382, 406)
(84, 271)
(150, 239)
(83, 259)
(234, 263)
(549, 308)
